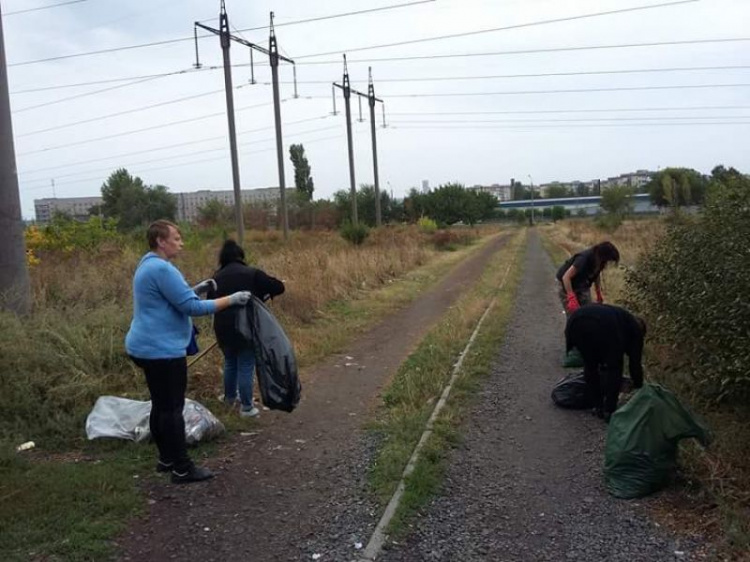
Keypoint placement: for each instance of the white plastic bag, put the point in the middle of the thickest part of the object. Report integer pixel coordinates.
(122, 418)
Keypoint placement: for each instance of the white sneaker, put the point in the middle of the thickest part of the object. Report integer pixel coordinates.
(251, 413)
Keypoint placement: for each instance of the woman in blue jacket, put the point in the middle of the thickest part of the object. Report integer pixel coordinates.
(158, 338)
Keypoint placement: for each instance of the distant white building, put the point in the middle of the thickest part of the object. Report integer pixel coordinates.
(76, 207)
(188, 203)
(501, 192)
(425, 186)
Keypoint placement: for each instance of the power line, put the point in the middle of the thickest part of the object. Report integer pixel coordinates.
(565, 91)
(126, 112)
(566, 127)
(410, 58)
(504, 28)
(49, 6)
(578, 120)
(192, 162)
(540, 111)
(531, 51)
(540, 74)
(86, 94)
(187, 143)
(191, 38)
(183, 155)
(151, 128)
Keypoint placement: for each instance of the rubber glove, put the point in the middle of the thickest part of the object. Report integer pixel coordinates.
(204, 286)
(572, 305)
(599, 296)
(240, 298)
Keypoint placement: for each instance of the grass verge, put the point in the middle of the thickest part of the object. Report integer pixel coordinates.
(411, 397)
(69, 505)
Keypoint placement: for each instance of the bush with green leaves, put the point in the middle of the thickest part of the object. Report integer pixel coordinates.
(693, 288)
(354, 233)
(427, 225)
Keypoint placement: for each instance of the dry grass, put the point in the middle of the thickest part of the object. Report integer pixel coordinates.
(632, 238)
(72, 348)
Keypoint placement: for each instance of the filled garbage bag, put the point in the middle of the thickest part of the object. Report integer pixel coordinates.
(573, 359)
(642, 440)
(275, 362)
(572, 392)
(123, 418)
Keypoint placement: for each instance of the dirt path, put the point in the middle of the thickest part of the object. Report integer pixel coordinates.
(526, 482)
(297, 485)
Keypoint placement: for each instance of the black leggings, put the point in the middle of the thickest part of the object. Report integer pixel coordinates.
(167, 382)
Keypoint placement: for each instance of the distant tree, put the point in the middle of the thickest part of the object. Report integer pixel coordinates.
(558, 213)
(366, 205)
(133, 204)
(617, 201)
(415, 205)
(302, 179)
(677, 187)
(547, 212)
(214, 213)
(557, 191)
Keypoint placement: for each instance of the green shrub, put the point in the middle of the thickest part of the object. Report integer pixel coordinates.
(354, 233)
(427, 225)
(693, 288)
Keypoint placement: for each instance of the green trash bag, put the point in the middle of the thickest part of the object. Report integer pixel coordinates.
(642, 440)
(573, 360)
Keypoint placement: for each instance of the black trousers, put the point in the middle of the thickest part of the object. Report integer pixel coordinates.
(167, 382)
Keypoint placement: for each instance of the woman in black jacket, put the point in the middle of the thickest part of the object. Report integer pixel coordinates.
(239, 355)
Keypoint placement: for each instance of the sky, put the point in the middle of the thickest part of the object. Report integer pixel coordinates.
(504, 110)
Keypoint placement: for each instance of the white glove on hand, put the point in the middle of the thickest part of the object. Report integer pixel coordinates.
(204, 286)
(240, 298)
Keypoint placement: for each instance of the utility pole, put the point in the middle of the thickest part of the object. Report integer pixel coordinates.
(274, 54)
(15, 294)
(226, 39)
(372, 99)
(348, 91)
(532, 199)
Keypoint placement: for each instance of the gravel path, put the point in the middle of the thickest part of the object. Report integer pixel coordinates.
(526, 482)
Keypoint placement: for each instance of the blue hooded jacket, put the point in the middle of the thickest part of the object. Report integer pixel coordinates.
(163, 303)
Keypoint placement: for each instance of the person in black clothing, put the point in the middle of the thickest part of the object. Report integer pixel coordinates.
(239, 355)
(603, 334)
(581, 271)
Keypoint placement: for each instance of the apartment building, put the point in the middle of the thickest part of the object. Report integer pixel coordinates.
(188, 203)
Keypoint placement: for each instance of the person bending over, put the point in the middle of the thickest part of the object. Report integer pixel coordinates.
(581, 271)
(604, 334)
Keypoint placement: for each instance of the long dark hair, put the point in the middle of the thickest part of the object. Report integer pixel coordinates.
(606, 252)
(231, 252)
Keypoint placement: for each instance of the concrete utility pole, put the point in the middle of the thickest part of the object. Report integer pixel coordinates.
(226, 39)
(372, 99)
(532, 199)
(274, 54)
(348, 91)
(15, 294)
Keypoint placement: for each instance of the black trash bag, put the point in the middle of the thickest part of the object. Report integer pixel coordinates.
(572, 392)
(275, 362)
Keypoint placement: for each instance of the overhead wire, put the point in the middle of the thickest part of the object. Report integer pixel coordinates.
(529, 51)
(563, 91)
(185, 154)
(192, 162)
(586, 110)
(40, 8)
(503, 28)
(192, 38)
(175, 145)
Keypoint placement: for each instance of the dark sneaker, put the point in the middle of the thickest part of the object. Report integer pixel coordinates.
(192, 474)
(164, 466)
